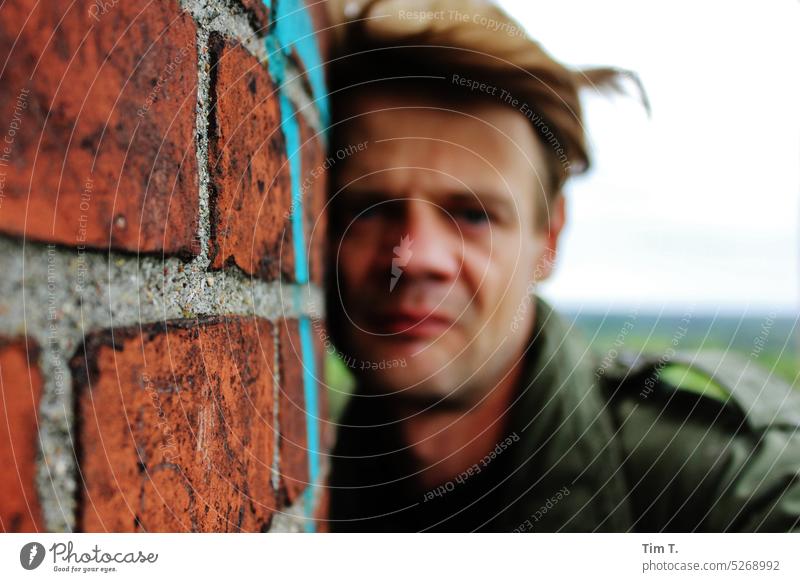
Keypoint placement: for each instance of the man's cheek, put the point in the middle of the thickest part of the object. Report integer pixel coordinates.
(352, 282)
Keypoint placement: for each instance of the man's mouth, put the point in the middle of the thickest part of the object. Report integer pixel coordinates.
(410, 324)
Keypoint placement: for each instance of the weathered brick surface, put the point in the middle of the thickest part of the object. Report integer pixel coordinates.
(327, 429)
(315, 197)
(177, 428)
(251, 224)
(174, 422)
(20, 393)
(259, 14)
(319, 18)
(103, 148)
(292, 412)
(322, 510)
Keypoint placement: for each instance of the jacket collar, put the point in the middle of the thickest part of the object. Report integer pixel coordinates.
(567, 440)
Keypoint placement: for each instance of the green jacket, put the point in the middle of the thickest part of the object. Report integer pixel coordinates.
(590, 446)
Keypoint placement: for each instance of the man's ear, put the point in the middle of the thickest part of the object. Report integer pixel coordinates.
(549, 238)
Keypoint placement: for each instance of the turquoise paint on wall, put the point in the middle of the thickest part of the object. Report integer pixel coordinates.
(293, 30)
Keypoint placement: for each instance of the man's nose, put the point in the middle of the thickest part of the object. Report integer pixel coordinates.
(426, 245)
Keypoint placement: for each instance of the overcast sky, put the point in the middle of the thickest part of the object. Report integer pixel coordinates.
(700, 204)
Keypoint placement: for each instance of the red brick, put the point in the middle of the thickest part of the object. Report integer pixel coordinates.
(21, 388)
(321, 22)
(315, 197)
(87, 79)
(322, 510)
(176, 428)
(327, 428)
(259, 15)
(251, 224)
(292, 412)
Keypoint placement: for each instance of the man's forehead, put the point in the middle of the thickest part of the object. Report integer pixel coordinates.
(395, 93)
(462, 145)
(371, 178)
(374, 109)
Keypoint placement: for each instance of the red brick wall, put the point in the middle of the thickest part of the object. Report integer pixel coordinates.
(21, 387)
(153, 374)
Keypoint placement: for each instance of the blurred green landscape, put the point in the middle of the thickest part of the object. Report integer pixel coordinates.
(773, 342)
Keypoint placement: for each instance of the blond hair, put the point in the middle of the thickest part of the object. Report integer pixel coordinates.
(430, 40)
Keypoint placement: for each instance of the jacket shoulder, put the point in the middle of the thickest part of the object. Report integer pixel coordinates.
(711, 442)
(738, 385)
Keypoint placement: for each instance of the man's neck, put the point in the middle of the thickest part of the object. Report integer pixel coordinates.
(443, 443)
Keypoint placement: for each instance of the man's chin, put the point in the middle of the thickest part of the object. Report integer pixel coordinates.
(413, 382)
(396, 365)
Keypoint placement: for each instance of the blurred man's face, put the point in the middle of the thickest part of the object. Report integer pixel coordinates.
(435, 243)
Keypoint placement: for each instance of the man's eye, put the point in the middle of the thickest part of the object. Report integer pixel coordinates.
(368, 212)
(473, 215)
(357, 211)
